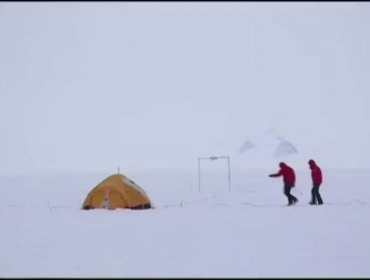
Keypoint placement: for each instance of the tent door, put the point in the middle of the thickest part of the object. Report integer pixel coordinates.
(105, 202)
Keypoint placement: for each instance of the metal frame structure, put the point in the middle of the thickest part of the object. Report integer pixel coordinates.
(215, 158)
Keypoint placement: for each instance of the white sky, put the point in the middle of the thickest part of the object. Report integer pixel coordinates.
(92, 86)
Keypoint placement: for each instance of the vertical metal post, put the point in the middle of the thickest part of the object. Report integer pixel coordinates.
(228, 161)
(199, 173)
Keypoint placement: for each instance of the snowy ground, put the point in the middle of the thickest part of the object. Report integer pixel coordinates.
(248, 232)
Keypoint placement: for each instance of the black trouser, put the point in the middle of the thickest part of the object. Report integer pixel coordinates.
(291, 198)
(316, 197)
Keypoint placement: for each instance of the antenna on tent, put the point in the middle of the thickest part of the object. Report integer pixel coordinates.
(118, 170)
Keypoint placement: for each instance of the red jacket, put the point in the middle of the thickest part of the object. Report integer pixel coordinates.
(316, 174)
(287, 172)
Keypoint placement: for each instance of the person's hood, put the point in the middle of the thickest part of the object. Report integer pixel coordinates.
(283, 165)
(312, 163)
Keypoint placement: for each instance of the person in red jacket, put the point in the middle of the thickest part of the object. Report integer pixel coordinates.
(289, 181)
(316, 176)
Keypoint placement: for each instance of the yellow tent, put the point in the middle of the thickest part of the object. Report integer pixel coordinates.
(117, 191)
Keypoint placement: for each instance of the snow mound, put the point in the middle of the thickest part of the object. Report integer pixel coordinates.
(285, 148)
(265, 150)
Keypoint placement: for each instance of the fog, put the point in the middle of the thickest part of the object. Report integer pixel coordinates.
(90, 86)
